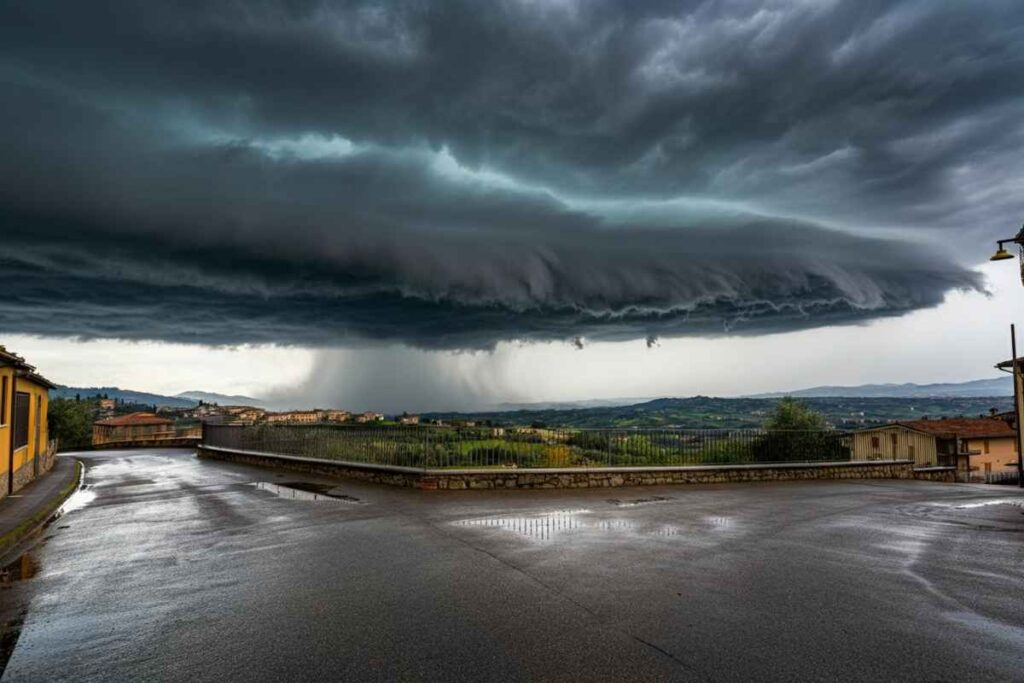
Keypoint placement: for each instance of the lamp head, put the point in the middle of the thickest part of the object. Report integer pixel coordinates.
(1001, 254)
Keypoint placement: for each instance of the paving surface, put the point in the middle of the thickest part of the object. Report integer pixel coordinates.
(34, 499)
(181, 569)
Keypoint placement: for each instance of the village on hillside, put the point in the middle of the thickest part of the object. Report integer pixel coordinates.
(982, 447)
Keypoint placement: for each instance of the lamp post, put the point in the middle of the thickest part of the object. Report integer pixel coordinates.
(1002, 254)
(1018, 379)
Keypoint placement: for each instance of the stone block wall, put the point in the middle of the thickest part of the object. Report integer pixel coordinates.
(380, 474)
(615, 477)
(454, 480)
(946, 474)
(23, 475)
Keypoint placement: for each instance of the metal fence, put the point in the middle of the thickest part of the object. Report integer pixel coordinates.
(431, 447)
(1009, 477)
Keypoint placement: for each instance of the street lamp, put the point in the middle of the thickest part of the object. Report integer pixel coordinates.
(1002, 254)
(1015, 364)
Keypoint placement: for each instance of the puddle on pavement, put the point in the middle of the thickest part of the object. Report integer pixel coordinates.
(76, 501)
(541, 526)
(726, 523)
(633, 502)
(25, 567)
(1015, 502)
(302, 490)
(546, 526)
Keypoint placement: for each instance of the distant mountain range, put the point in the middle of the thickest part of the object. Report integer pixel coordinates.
(996, 386)
(706, 412)
(694, 411)
(568, 405)
(126, 395)
(186, 399)
(221, 399)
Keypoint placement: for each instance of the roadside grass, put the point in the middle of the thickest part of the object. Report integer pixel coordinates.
(13, 537)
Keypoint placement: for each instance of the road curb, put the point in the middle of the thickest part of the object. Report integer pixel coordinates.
(13, 538)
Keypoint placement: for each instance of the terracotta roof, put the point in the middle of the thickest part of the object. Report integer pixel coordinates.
(29, 371)
(134, 419)
(963, 427)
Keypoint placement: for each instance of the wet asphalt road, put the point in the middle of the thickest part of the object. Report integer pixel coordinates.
(181, 569)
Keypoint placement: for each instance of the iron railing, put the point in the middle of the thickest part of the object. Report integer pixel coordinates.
(430, 447)
(1009, 477)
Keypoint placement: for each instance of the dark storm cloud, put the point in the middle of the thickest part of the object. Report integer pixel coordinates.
(450, 175)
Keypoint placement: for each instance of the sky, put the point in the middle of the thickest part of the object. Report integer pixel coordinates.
(405, 205)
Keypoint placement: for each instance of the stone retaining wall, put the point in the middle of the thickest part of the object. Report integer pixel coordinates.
(23, 475)
(379, 474)
(597, 477)
(946, 474)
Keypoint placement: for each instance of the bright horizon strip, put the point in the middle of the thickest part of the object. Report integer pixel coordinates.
(960, 340)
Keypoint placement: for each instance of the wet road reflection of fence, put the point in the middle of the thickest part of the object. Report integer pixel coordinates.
(429, 447)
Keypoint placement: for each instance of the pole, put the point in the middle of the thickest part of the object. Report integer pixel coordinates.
(1017, 406)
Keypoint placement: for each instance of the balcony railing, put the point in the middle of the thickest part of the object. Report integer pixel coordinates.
(428, 447)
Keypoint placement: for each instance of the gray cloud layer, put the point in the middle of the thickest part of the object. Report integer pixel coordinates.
(448, 176)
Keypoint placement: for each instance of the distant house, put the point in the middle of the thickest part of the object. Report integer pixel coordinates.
(409, 420)
(294, 417)
(243, 414)
(336, 415)
(25, 449)
(988, 443)
(369, 416)
(133, 428)
(107, 404)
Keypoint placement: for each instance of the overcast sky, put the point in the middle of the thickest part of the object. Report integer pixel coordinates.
(414, 205)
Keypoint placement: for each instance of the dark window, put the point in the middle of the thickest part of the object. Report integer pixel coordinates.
(21, 405)
(3, 400)
(892, 437)
(874, 442)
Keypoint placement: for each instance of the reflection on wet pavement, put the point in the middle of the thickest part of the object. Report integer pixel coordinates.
(300, 490)
(546, 526)
(76, 501)
(720, 522)
(638, 501)
(541, 527)
(25, 567)
(1016, 502)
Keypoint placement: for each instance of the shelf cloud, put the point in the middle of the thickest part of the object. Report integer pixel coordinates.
(451, 176)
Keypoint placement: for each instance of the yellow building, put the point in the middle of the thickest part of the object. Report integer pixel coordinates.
(25, 449)
(988, 443)
(139, 429)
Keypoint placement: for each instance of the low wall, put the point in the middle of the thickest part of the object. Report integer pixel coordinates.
(577, 477)
(380, 474)
(178, 442)
(946, 474)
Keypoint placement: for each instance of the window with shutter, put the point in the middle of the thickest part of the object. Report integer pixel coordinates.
(21, 406)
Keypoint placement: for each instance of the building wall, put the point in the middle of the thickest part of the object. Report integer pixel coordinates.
(895, 443)
(25, 458)
(107, 434)
(6, 373)
(994, 455)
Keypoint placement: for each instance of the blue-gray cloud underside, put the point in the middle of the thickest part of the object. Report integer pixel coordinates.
(454, 175)
(462, 294)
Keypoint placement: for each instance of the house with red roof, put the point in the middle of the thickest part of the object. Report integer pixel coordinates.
(132, 428)
(975, 445)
